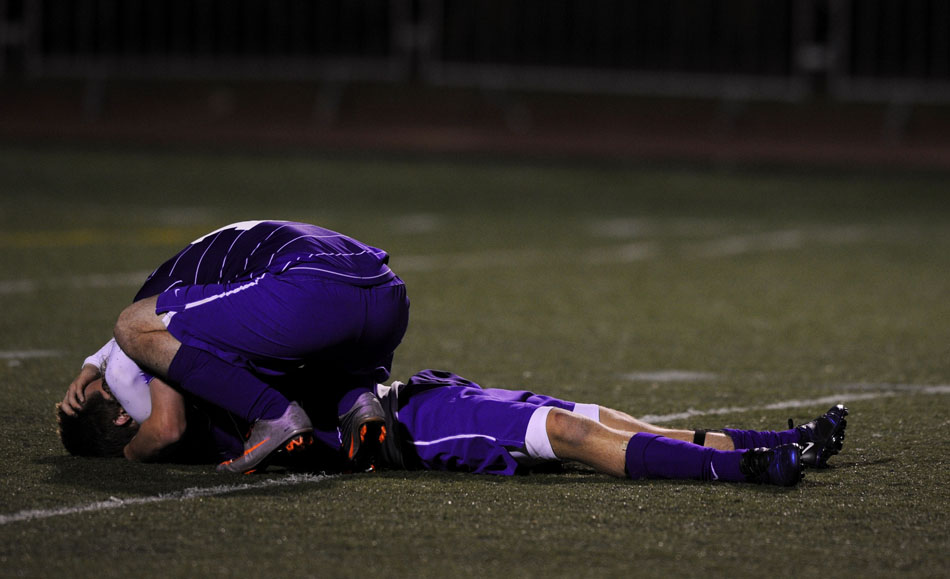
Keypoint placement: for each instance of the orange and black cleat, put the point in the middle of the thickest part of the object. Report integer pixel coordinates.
(363, 429)
(291, 434)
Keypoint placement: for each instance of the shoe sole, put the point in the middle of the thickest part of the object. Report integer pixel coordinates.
(814, 457)
(801, 469)
(836, 441)
(363, 448)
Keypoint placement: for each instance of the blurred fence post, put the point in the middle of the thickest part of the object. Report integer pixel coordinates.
(17, 22)
(895, 51)
(339, 40)
(731, 49)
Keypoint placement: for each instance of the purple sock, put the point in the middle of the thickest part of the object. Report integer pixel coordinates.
(654, 456)
(761, 439)
(230, 387)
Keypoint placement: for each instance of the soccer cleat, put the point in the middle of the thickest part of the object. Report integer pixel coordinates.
(363, 429)
(823, 437)
(290, 434)
(780, 466)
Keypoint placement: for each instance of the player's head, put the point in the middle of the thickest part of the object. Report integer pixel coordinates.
(100, 428)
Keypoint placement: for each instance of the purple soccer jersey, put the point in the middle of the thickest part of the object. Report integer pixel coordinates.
(245, 250)
(262, 299)
(441, 421)
(272, 295)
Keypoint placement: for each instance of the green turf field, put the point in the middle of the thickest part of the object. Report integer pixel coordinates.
(692, 296)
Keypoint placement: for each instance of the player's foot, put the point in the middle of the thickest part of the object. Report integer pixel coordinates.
(823, 437)
(780, 466)
(290, 434)
(363, 429)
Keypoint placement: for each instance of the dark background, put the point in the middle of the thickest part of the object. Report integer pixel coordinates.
(839, 82)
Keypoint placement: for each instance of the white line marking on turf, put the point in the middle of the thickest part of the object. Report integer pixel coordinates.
(896, 390)
(28, 354)
(668, 376)
(626, 253)
(739, 244)
(620, 253)
(187, 494)
(417, 223)
(197, 492)
(776, 241)
(90, 281)
(633, 251)
(107, 280)
(18, 286)
(472, 260)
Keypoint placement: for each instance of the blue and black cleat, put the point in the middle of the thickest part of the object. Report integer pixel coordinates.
(823, 437)
(780, 466)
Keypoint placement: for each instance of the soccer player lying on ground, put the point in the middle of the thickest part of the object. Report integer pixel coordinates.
(440, 421)
(236, 311)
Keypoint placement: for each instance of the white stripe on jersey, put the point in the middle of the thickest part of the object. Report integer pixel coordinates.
(208, 299)
(338, 274)
(456, 437)
(240, 226)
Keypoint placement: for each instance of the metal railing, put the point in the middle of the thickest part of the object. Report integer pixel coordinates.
(731, 48)
(889, 50)
(875, 50)
(250, 39)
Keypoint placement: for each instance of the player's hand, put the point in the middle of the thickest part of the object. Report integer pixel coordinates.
(76, 393)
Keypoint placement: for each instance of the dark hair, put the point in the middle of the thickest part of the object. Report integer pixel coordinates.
(92, 431)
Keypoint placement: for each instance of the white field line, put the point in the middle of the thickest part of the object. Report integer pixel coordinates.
(416, 223)
(291, 480)
(612, 254)
(634, 251)
(668, 376)
(471, 260)
(18, 286)
(28, 354)
(845, 397)
(90, 281)
(776, 241)
(184, 495)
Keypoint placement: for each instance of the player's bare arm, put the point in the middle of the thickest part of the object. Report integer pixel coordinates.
(76, 392)
(163, 428)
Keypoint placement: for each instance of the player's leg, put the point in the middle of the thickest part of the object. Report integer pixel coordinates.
(276, 422)
(575, 437)
(622, 421)
(648, 455)
(143, 336)
(366, 363)
(452, 424)
(821, 438)
(598, 422)
(278, 324)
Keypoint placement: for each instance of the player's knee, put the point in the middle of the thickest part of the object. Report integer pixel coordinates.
(133, 321)
(123, 329)
(567, 429)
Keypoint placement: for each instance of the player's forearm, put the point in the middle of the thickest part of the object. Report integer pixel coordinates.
(164, 427)
(152, 442)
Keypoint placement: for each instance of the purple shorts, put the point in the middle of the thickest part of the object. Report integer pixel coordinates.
(278, 324)
(453, 424)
